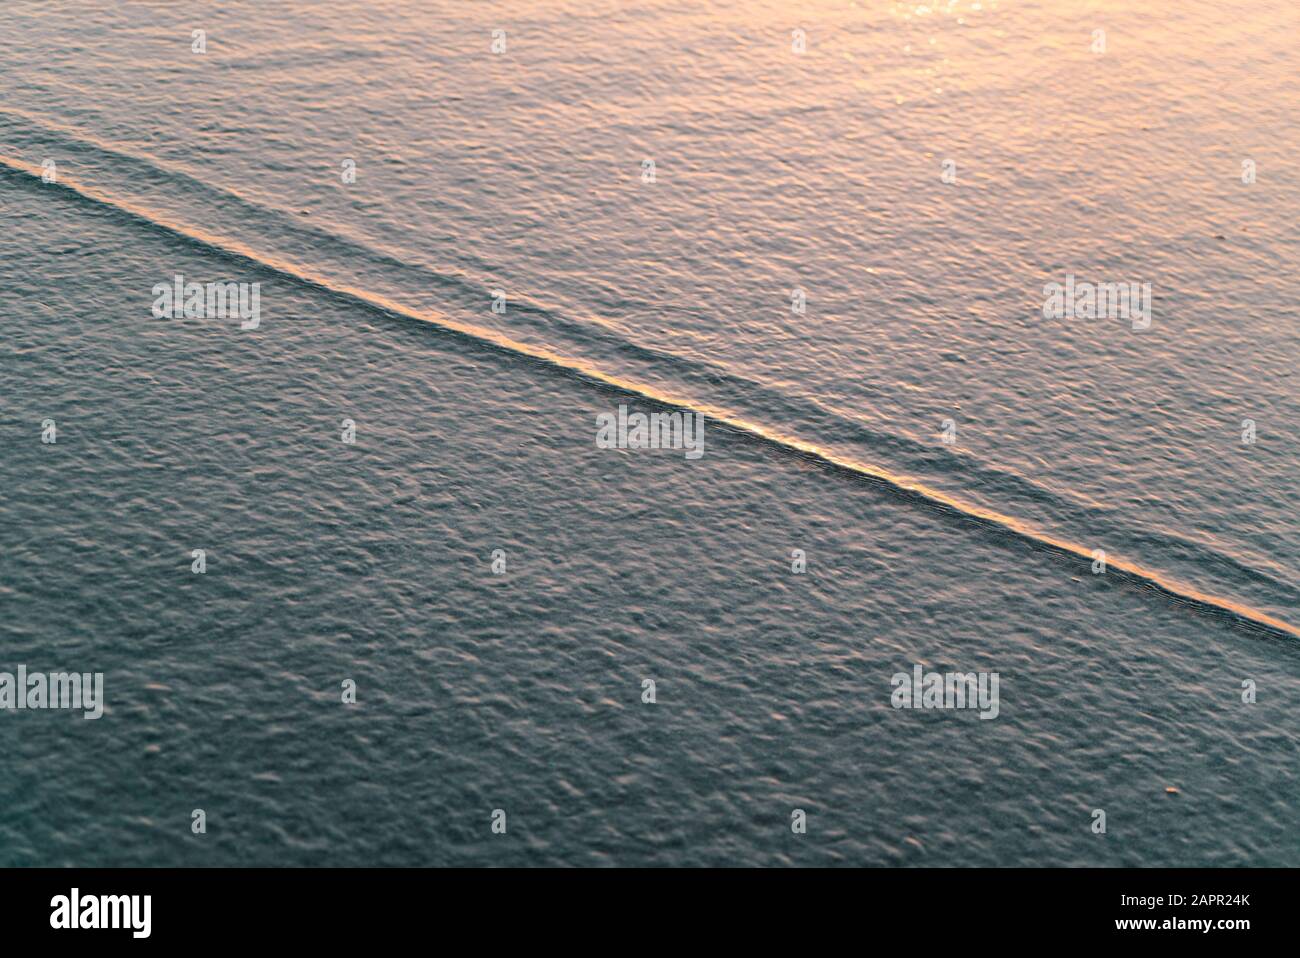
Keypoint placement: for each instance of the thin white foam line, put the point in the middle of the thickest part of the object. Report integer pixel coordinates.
(1172, 587)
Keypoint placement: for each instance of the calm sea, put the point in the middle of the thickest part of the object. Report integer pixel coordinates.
(477, 227)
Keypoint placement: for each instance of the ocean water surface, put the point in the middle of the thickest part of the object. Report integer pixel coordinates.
(678, 211)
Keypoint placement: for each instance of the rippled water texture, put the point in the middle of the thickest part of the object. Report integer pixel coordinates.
(774, 173)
